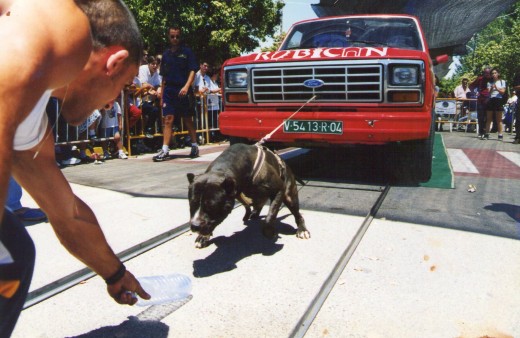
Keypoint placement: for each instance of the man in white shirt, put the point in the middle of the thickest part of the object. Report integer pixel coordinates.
(95, 73)
(460, 93)
(151, 88)
(208, 91)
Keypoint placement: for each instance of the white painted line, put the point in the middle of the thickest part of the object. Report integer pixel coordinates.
(293, 153)
(460, 162)
(206, 157)
(511, 156)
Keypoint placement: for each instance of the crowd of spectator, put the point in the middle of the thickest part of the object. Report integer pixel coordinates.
(144, 120)
(494, 102)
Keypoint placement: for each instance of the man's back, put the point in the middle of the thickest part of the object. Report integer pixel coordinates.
(42, 56)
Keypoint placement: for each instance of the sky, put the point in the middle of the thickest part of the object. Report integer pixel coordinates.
(294, 11)
(297, 10)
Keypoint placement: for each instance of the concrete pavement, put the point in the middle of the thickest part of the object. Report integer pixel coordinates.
(404, 280)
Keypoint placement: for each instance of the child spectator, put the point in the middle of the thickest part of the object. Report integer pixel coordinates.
(110, 122)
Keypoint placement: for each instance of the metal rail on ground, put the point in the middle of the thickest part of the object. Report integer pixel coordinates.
(74, 278)
(314, 307)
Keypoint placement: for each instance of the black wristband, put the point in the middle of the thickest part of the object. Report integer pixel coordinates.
(117, 275)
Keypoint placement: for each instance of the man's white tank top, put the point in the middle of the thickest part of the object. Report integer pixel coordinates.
(32, 130)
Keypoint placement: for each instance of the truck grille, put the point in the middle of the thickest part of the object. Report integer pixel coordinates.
(342, 83)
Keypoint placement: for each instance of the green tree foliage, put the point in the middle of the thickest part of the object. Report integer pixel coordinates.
(497, 45)
(277, 41)
(215, 30)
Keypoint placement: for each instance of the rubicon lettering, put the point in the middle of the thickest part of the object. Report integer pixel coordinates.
(320, 53)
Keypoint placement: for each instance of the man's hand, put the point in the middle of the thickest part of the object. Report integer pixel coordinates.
(184, 91)
(124, 290)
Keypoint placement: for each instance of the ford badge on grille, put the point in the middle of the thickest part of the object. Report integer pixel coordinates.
(313, 83)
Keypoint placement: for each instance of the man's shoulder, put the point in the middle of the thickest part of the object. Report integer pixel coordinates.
(186, 49)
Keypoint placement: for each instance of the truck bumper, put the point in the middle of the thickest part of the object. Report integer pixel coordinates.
(358, 127)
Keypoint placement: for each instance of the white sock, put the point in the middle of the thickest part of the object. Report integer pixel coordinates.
(194, 144)
(165, 148)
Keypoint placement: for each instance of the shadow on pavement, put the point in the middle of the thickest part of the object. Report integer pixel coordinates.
(133, 327)
(231, 250)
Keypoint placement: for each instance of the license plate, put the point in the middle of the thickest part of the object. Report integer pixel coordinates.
(313, 126)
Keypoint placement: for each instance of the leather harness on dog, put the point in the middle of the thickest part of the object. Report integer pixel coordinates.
(260, 160)
(260, 156)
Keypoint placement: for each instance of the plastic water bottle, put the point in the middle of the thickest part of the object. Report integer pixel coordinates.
(164, 289)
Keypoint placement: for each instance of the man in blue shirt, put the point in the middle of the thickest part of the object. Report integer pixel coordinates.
(178, 69)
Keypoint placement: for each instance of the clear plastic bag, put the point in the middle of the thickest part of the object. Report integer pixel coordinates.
(164, 289)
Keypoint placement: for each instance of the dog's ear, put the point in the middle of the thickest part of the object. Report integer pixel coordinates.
(229, 186)
(190, 177)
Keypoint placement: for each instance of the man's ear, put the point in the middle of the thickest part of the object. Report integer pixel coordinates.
(115, 60)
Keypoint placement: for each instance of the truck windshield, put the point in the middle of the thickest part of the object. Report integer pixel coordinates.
(355, 32)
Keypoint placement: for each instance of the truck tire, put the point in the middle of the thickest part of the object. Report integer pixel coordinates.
(417, 158)
(410, 162)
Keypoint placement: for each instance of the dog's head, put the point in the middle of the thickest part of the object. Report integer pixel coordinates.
(211, 198)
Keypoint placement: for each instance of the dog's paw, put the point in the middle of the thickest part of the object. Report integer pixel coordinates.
(255, 214)
(202, 241)
(303, 234)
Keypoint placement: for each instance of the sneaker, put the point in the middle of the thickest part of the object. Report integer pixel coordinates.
(500, 137)
(161, 156)
(106, 155)
(481, 136)
(486, 137)
(194, 151)
(71, 161)
(123, 156)
(149, 133)
(30, 215)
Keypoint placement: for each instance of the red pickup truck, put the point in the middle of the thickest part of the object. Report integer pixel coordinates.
(339, 81)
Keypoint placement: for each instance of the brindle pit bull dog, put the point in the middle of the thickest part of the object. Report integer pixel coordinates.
(251, 174)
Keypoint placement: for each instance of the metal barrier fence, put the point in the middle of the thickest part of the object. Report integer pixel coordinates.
(133, 123)
(456, 112)
(143, 118)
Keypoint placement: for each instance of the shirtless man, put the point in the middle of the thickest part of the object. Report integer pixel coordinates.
(86, 63)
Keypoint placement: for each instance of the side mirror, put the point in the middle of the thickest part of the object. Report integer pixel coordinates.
(441, 59)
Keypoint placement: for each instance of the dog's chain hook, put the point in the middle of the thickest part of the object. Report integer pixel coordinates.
(268, 136)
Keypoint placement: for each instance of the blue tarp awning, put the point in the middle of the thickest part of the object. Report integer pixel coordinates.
(448, 24)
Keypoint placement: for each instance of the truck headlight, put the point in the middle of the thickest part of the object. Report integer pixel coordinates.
(404, 75)
(236, 78)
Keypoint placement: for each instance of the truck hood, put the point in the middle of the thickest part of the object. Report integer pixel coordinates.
(348, 53)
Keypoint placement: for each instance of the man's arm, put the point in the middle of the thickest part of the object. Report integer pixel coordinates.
(188, 84)
(72, 220)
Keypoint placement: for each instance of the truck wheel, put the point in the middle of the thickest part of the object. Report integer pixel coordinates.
(420, 154)
(417, 158)
(410, 162)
